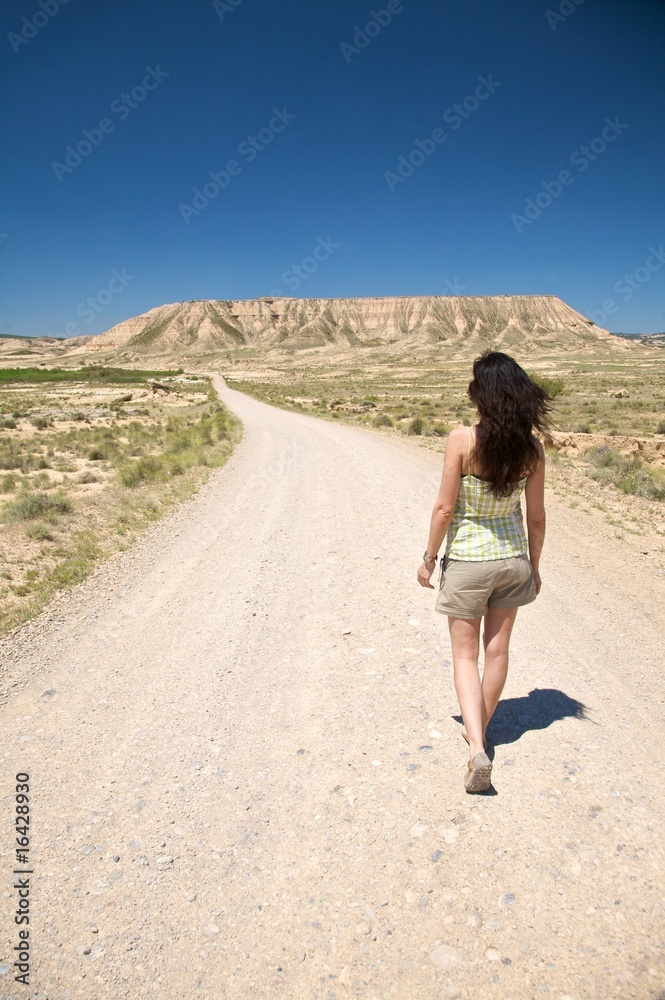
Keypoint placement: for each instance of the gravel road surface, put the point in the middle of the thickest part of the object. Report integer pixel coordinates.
(246, 766)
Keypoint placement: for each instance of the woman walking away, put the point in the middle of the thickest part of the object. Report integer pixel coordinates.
(490, 567)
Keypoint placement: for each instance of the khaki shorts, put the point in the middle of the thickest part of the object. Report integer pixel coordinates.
(467, 589)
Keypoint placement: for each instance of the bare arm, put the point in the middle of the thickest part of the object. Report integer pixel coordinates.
(535, 513)
(444, 504)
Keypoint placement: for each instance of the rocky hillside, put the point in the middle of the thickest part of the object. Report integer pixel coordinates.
(211, 326)
(24, 348)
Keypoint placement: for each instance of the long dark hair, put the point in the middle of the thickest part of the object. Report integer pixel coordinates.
(510, 405)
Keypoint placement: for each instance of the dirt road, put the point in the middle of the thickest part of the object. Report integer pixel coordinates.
(246, 771)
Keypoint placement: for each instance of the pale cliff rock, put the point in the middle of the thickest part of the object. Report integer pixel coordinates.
(206, 326)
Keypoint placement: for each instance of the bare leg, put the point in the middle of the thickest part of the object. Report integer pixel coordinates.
(496, 638)
(464, 637)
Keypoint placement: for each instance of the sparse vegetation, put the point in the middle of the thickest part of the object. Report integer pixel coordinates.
(605, 395)
(101, 374)
(382, 420)
(142, 457)
(88, 476)
(38, 504)
(553, 386)
(629, 474)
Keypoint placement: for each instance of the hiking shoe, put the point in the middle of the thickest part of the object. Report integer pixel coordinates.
(477, 778)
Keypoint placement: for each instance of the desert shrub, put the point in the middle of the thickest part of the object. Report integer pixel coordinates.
(40, 532)
(31, 505)
(629, 474)
(640, 481)
(382, 420)
(604, 458)
(41, 423)
(13, 456)
(143, 470)
(88, 476)
(181, 441)
(553, 386)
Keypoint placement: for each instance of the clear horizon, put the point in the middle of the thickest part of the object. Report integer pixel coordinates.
(237, 150)
(305, 298)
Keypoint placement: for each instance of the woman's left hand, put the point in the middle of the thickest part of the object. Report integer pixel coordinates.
(424, 574)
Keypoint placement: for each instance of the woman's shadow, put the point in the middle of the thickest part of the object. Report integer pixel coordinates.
(538, 710)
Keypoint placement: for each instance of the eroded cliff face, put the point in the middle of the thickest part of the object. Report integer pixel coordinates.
(210, 326)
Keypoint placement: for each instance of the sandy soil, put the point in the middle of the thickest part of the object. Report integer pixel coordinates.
(246, 766)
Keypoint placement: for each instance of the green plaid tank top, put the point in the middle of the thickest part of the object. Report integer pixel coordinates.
(483, 526)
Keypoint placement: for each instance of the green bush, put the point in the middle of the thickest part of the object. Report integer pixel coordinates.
(553, 386)
(144, 470)
(605, 458)
(88, 476)
(40, 532)
(629, 474)
(29, 506)
(41, 423)
(382, 420)
(641, 482)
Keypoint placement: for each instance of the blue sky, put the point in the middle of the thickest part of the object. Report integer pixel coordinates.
(343, 166)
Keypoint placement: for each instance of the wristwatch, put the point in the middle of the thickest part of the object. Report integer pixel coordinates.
(428, 558)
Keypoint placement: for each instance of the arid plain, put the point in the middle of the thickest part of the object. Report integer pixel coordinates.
(241, 724)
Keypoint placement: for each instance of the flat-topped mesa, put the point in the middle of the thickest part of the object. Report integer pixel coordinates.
(473, 322)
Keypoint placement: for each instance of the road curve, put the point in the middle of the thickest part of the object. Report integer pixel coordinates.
(246, 771)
